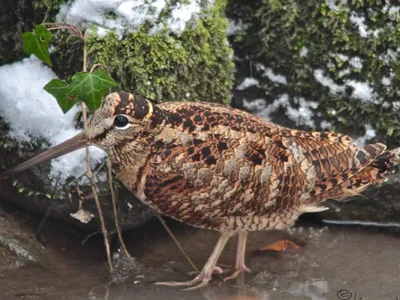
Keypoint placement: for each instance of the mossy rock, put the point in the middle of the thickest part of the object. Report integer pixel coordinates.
(194, 65)
(354, 42)
(294, 39)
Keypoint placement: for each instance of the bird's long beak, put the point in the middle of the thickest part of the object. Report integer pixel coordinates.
(75, 143)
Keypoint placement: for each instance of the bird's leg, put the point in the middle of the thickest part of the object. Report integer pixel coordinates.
(240, 265)
(205, 275)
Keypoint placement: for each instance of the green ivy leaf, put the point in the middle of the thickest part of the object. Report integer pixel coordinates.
(59, 89)
(91, 87)
(37, 43)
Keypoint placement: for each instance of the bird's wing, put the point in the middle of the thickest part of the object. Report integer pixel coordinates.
(334, 156)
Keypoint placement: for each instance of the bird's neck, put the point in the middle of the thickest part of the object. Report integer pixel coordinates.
(129, 162)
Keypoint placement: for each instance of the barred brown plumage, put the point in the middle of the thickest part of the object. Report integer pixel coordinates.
(220, 168)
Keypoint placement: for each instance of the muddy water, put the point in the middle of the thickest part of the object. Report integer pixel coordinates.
(333, 263)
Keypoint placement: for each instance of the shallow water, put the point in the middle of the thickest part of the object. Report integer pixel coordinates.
(333, 263)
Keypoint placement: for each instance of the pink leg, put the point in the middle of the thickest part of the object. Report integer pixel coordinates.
(240, 265)
(205, 275)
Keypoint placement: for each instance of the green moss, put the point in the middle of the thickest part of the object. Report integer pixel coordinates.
(196, 65)
(279, 30)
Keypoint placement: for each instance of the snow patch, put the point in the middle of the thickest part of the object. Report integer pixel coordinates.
(271, 75)
(303, 52)
(386, 81)
(125, 16)
(363, 29)
(359, 22)
(247, 82)
(361, 90)
(396, 105)
(370, 133)
(301, 115)
(356, 62)
(325, 125)
(234, 27)
(332, 4)
(33, 114)
(328, 82)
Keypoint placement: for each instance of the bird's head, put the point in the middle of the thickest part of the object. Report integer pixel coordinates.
(119, 121)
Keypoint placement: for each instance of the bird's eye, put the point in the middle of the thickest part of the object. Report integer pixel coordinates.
(121, 122)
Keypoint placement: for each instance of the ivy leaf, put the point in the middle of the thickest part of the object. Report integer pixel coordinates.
(59, 89)
(91, 87)
(37, 43)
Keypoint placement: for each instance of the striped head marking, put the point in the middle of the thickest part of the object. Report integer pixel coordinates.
(137, 107)
(122, 117)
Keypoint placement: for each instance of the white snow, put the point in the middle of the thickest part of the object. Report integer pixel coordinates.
(276, 78)
(124, 16)
(328, 82)
(370, 133)
(389, 58)
(260, 108)
(325, 125)
(356, 62)
(333, 4)
(301, 115)
(303, 52)
(386, 81)
(256, 105)
(34, 114)
(359, 22)
(234, 27)
(341, 56)
(363, 29)
(394, 13)
(396, 105)
(343, 73)
(247, 82)
(361, 90)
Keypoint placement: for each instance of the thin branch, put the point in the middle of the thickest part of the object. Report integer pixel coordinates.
(115, 209)
(84, 59)
(176, 242)
(90, 176)
(95, 66)
(103, 227)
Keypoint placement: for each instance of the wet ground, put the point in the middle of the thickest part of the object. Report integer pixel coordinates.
(334, 262)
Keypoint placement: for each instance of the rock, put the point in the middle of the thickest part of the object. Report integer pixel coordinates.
(18, 246)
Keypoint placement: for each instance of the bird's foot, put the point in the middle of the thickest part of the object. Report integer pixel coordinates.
(237, 272)
(203, 278)
(217, 270)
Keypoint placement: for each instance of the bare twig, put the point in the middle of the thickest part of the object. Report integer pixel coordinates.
(177, 242)
(90, 176)
(115, 209)
(90, 235)
(84, 59)
(95, 66)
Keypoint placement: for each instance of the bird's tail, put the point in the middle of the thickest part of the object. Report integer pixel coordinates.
(387, 160)
(370, 175)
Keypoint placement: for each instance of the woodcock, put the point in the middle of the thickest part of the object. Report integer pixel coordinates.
(215, 167)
